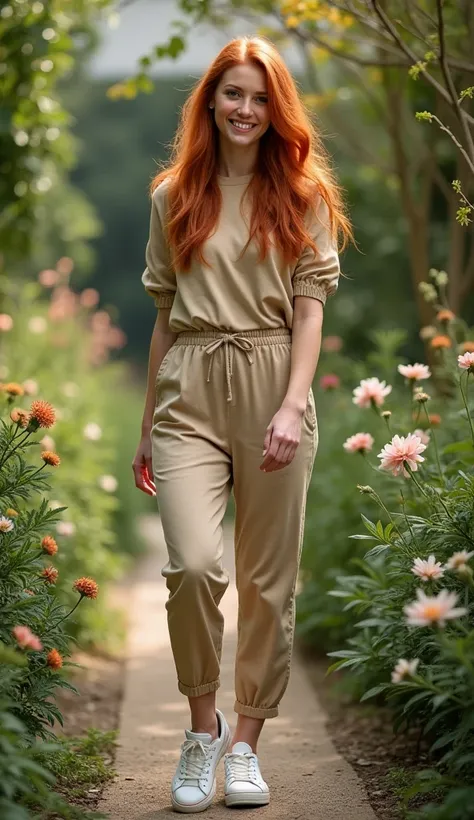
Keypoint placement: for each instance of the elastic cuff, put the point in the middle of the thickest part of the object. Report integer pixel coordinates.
(196, 691)
(163, 299)
(314, 291)
(251, 711)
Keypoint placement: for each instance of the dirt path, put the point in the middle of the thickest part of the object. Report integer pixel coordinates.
(308, 779)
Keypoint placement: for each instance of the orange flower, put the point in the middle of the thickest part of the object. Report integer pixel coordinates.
(42, 414)
(50, 458)
(20, 416)
(441, 341)
(49, 545)
(50, 575)
(467, 347)
(11, 512)
(13, 388)
(445, 315)
(435, 419)
(54, 659)
(86, 587)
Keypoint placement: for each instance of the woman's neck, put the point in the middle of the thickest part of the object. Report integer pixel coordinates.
(233, 162)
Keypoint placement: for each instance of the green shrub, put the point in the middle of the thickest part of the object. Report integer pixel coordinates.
(56, 344)
(33, 638)
(412, 593)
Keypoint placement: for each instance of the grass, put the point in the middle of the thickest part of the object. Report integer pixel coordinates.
(79, 764)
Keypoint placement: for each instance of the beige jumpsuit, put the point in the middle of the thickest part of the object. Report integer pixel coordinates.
(217, 389)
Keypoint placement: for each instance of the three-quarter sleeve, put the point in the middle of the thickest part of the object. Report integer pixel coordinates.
(317, 274)
(159, 277)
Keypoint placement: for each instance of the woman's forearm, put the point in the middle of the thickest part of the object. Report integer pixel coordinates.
(305, 350)
(161, 340)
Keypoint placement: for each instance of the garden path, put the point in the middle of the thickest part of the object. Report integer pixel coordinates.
(308, 779)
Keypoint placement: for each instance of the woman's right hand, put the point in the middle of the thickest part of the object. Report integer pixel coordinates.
(142, 467)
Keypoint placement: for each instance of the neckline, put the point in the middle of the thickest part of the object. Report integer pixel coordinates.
(242, 180)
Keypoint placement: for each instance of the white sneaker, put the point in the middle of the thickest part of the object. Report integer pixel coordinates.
(244, 784)
(194, 784)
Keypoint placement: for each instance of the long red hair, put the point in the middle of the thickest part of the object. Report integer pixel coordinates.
(293, 166)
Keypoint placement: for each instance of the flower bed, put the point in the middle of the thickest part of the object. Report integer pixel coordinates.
(408, 608)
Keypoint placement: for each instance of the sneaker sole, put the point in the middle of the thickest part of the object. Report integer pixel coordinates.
(247, 799)
(206, 802)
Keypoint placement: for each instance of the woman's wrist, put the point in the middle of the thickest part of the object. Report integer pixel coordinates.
(293, 403)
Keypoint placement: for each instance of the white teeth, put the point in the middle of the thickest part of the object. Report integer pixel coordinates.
(242, 125)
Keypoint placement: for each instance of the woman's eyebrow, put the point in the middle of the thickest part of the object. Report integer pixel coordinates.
(241, 89)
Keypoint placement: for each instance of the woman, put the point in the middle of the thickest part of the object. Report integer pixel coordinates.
(241, 257)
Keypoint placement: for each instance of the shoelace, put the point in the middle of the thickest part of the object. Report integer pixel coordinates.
(241, 766)
(194, 762)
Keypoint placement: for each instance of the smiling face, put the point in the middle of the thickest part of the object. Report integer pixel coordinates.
(240, 104)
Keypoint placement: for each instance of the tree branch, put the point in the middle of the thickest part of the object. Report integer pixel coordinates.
(311, 37)
(411, 54)
(450, 85)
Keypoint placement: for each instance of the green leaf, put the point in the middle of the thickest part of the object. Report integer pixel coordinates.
(376, 690)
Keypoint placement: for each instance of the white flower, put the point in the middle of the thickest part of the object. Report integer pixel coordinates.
(30, 386)
(438, 609)
(48, 443)
(458, 561)
(6, 524)
(54, 505)
(429, 570)
(65, 528)
(92, 431)
(37, 324)
(70, 389)
(108, 483)
(404, 669)
(424, 435)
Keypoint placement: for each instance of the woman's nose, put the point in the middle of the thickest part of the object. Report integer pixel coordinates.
(245, 108)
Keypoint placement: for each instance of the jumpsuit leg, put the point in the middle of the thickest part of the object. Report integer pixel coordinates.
(192, 472)
(269, 525)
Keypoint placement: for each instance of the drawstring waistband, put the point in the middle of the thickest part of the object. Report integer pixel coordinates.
(245, 340)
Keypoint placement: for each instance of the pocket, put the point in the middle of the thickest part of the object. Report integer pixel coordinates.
(311, 409)
(162, 366)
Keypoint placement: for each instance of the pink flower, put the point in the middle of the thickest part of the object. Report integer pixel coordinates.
(6, 322)
(89, 298)
(402, 449)
(330, 381)
(331, 344)
(424, 435)
(359, 443)
(416, 372)
(48, 278)
(433, 609)
(429, 570)
(371, 391)
(26, 639)
(466, 362)
(404, 669)
(65, 265)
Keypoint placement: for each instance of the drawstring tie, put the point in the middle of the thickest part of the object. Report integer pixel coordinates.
(242, 342)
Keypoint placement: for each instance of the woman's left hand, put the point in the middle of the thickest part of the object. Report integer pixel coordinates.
(282, 439)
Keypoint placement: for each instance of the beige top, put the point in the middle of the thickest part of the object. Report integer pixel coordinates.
(236, 295)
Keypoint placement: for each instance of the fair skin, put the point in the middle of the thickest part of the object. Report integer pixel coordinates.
(241, 97)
